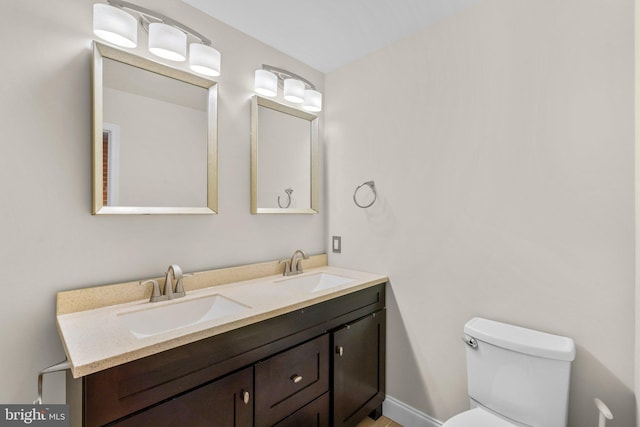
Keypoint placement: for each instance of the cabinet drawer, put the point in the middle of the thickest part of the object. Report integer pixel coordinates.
(290, 380)
(314, 414)
(222, 403)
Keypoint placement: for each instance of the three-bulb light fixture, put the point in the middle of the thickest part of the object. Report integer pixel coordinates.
(113, 22)
(296, 89)
(167, 38)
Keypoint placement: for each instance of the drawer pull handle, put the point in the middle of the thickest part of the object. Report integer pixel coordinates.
(296, 378)
(245, 397)
(339, 350)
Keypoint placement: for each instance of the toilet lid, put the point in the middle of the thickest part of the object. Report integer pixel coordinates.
(477, 417)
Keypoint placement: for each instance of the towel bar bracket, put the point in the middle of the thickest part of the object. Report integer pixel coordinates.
(62, 366)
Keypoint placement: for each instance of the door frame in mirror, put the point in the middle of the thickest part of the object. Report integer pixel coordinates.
(259, 101)
(101, 51)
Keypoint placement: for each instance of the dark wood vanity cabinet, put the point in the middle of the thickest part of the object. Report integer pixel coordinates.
(319, 366)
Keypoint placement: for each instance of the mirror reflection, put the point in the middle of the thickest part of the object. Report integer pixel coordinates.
(154, 137)
(284, 159)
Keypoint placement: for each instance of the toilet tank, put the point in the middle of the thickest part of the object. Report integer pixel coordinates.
(519, 373)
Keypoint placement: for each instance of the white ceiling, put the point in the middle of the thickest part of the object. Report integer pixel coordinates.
(328, 34)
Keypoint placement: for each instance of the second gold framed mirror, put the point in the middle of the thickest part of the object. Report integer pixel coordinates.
(284, 159)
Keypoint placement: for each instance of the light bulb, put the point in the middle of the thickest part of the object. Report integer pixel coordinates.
(312, 100)
(115, 25)
(266, 83)
(204, 59)
(167, 42)
(294, 91)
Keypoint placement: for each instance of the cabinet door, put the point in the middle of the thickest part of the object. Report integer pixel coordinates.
(227, 402)
(358, 369)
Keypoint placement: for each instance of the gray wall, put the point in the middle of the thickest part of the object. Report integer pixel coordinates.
(50, 241)
(501, 144)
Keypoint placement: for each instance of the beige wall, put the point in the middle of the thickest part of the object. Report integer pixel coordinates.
(501, 144)
(50, 241)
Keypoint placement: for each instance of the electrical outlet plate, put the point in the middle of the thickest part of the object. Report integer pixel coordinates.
(336, 245)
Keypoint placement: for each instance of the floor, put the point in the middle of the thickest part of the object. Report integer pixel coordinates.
(381, 422)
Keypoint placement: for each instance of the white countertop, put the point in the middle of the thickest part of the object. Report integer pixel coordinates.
(97, 339)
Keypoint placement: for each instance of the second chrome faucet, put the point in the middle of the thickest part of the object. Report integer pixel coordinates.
(174, 272)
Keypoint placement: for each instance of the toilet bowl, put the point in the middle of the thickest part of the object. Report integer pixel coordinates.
(516, 376)
(477, 417)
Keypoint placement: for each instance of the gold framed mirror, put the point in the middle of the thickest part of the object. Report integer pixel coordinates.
(154, 137)
(284, 159)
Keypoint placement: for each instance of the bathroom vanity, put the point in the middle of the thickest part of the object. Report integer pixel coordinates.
(317, 361)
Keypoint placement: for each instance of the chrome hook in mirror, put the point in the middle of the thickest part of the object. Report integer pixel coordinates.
(288, 191)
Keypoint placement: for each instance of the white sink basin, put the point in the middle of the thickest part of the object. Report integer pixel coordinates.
(315, 282)
(156, 319)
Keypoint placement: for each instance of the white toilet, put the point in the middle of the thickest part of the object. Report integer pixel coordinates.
(516, 376)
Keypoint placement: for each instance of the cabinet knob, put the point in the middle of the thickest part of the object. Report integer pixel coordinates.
(245, 397)
(296, 378)
(339, 350)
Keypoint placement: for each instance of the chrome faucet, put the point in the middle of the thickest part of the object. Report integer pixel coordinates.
(169, 292)
(294, 265)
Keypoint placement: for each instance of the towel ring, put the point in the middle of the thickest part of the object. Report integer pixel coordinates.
(288, 191)
(371, 185)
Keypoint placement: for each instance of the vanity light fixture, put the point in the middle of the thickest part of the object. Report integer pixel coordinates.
(296, 89)
(115, 23)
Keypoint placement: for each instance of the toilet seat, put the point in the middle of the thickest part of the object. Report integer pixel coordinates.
(477, 417)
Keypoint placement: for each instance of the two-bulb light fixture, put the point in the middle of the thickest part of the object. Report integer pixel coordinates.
(167, 38)
(296, 89)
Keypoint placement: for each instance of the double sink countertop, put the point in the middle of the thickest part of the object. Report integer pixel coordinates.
(100, 338)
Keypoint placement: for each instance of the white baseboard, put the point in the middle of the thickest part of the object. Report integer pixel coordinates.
(406, 415)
